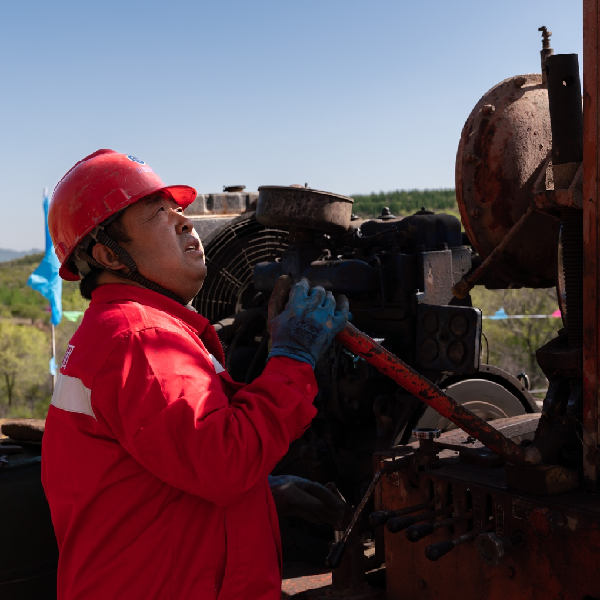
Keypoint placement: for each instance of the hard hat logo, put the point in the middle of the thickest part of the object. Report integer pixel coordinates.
(134, 159)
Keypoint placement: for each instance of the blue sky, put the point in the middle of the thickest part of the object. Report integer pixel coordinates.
(351, 96)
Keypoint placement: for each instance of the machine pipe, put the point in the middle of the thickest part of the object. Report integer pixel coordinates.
(566, 119)
(564, 102)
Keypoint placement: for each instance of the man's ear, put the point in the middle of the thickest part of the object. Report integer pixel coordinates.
(107, 258)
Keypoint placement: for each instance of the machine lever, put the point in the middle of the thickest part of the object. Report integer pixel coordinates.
(436, 551)
(381, 517)
(417, 532)
(400, 523)
(334, 558)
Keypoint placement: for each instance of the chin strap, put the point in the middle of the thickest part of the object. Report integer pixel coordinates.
(132, 275)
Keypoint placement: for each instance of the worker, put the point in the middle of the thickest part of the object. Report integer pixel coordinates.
(155, 462)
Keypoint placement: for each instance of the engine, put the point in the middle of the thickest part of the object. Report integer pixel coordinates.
(398, 274)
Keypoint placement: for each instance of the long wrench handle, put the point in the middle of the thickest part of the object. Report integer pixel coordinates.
(420, 387)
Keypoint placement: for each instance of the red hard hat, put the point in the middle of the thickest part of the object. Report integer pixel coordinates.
(97, 187)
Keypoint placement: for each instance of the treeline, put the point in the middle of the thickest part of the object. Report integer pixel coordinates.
(405, 202)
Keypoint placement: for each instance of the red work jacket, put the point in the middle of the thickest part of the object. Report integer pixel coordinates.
(155, 462)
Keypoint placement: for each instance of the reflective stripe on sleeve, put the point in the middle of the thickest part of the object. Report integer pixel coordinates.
(71, 395)
(216, 364)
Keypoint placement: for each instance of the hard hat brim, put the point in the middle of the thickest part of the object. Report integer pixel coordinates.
(184, 195)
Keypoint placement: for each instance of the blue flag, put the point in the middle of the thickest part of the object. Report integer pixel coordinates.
(500, 314)
(45, 279)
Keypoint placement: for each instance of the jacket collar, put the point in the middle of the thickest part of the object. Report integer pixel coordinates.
(122, 292)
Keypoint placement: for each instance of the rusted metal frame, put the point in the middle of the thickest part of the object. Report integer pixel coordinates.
(551, 201)
(591, 226)
(415, 383)
(462, 288)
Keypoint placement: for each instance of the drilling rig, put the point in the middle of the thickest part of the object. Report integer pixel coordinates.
(527, 515)
(509, 509)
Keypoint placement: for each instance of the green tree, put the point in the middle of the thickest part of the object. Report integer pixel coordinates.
(24, 356)
(512, 343)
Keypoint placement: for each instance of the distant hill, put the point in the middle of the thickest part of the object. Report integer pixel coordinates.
(14, 254)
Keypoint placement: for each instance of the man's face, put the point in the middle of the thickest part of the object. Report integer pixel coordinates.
(164, 245)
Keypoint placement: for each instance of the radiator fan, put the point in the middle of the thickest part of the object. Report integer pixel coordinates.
(232, 252)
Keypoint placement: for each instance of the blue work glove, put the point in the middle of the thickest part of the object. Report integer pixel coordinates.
(298, 497)
(308, 323)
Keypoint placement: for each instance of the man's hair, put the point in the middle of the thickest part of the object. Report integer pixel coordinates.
(116, 230)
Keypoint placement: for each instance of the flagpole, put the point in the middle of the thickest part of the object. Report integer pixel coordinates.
(53, 357)
(46, 280)
(44, 196)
